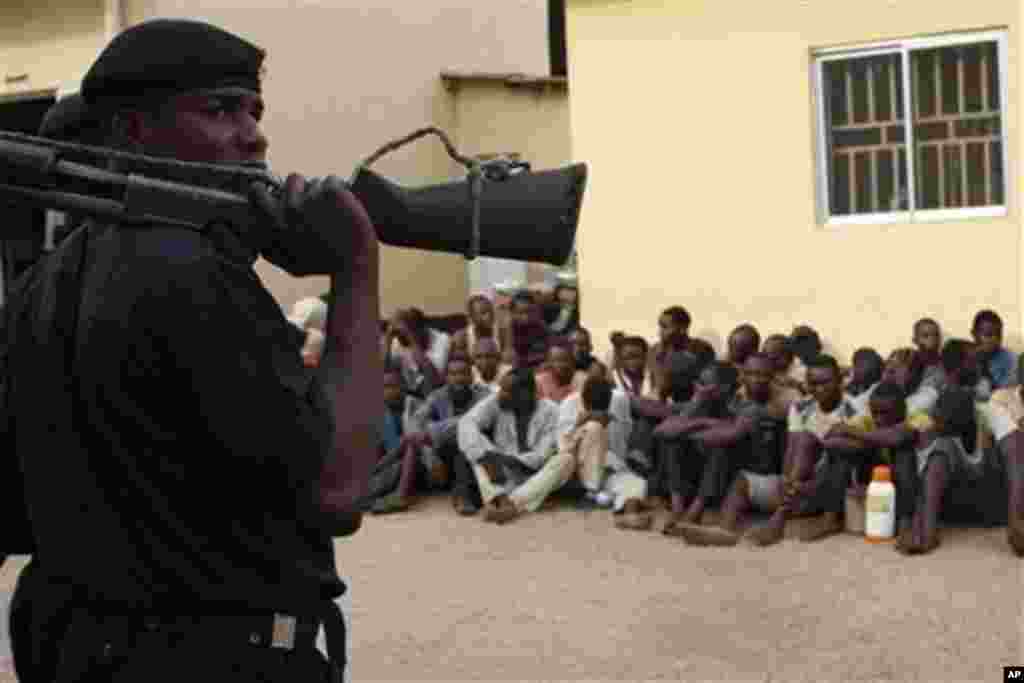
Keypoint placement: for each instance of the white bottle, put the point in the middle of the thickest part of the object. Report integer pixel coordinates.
(880, 506)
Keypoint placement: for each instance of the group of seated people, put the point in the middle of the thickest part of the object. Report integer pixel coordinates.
(504, 420)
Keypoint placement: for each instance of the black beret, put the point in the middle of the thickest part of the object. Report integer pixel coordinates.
(164, 57)
(68, 120)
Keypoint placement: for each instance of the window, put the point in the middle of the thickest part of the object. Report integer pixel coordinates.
(913, 130)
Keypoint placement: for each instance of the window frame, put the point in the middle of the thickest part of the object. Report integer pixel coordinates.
(904, 48)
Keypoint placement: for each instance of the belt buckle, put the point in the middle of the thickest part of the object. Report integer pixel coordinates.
(283, 634)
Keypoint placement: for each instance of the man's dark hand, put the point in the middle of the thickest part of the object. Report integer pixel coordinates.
(491, 462)
(318, 227)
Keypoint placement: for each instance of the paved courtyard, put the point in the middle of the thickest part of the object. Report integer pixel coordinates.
(562, 595)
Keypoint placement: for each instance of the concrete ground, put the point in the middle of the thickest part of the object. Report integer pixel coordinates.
(562, 595)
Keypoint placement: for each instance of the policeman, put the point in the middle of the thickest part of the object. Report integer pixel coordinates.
(183, 471)
(41, 605)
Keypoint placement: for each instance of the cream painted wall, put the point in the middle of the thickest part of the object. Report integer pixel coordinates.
(53, 46)
(698, 121)
(345, 76)
(494, 118)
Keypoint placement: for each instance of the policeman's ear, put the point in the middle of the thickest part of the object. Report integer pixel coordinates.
(133, 129)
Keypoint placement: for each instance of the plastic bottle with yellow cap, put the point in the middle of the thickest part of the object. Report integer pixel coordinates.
(880, 506)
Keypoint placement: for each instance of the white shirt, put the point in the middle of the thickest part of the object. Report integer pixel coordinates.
(619, 428)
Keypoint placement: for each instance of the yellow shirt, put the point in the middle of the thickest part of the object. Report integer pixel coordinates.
(864, 423)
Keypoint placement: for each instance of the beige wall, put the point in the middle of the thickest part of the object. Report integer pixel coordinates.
(345, 76)
(53, 46)
(698, 121)
(492, 117)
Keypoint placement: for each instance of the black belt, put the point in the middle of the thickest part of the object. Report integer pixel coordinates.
(272, 630)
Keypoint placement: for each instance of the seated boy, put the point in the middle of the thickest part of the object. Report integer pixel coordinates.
(928, 340)
(558, 376)
(481, 325)
(865, 373)
(510, 438)
(885, 435)
(743, 341)
(487, 366)
(759, 432)
(431, 457)
(778, 347)
(953, 476)
(994, 362)
(593, 427)
(694, 445)
(582, 348)
(396, 425)
(631, 374)
(808, 423)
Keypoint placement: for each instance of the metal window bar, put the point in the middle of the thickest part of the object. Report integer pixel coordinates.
(959, 143)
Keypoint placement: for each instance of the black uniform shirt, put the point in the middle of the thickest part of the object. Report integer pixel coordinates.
(171, 451)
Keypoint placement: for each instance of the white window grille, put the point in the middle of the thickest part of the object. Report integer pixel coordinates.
(913, 130)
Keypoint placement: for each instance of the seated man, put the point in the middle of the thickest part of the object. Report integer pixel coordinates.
(805, 343)
(743, 341)
(594, 427)
(994, 361)
(517, 466)
(676, 389)
(865, 373)
(904, 367)
(673, 337)
(696, 457)
(631, 374)
(1011, 399)
(928, 341)
(528, 335)
(884, 436)
(760, 429)
(808, 423)
(778, 346)
(422, 352)
(1002, 418)
(949, 469)
(582, 348)
(480, 311)
(558, 376)
(487, 366)
(431, 458)
(397, 424)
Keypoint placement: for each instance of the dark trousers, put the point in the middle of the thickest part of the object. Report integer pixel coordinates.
(840, 470)
(977, 496)
(100, 649)
(464, 484)
(690, 469)
(39, 613)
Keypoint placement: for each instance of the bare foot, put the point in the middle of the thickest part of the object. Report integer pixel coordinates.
(635, 521)
(674, 519)
(770, 534)
(695, 512)
(1015, 535)
(823, 527)
(904, 540)
(929, 544)
(694, 534)
(501, 510)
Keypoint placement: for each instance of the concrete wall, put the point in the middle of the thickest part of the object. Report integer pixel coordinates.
(345, 76)
(698, 121)
(52, 46)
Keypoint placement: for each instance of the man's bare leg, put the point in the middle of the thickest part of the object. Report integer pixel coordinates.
(1014, 454)
(727, 532)
(926, 533)
(806, 453)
